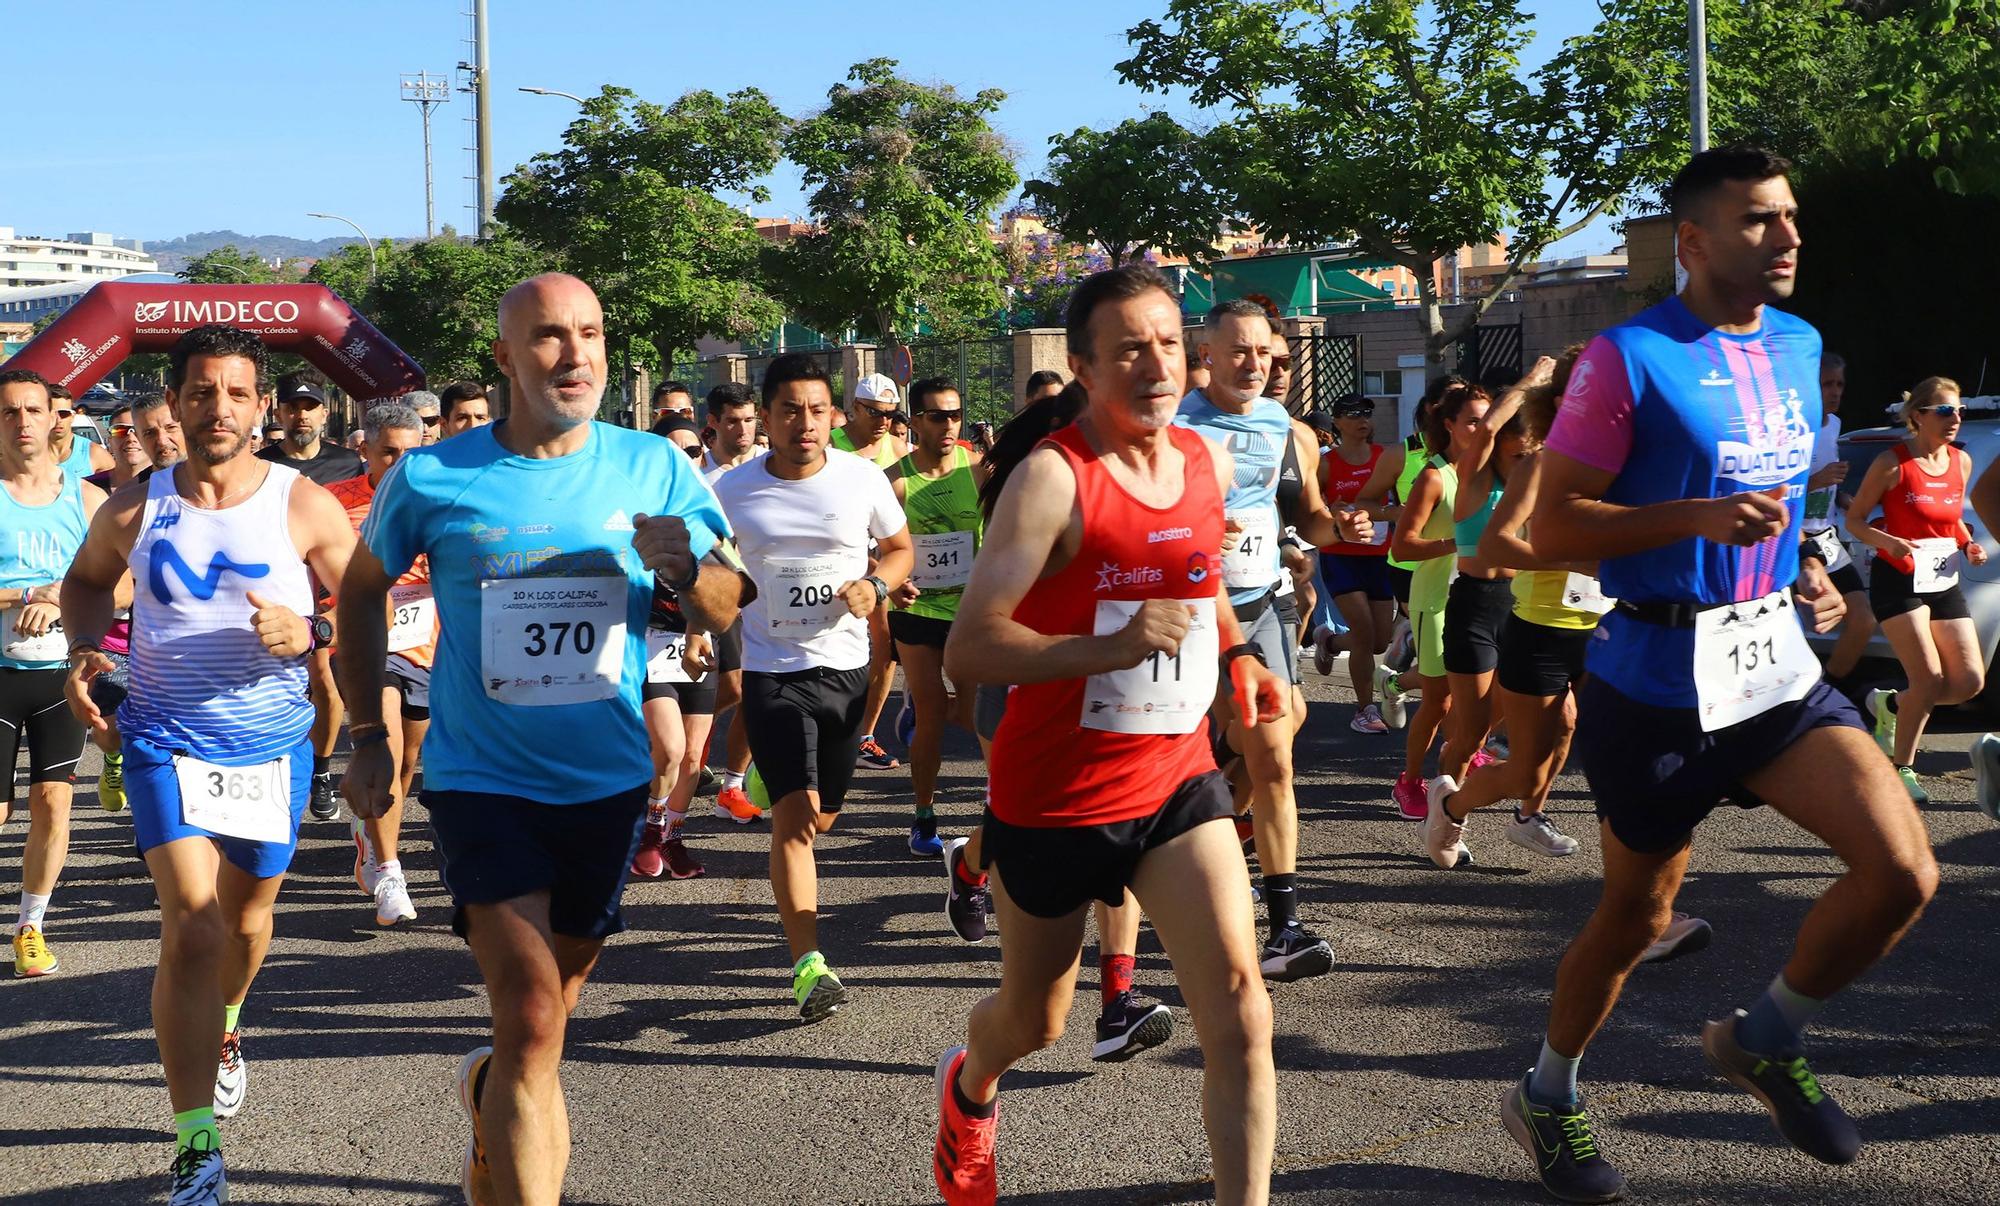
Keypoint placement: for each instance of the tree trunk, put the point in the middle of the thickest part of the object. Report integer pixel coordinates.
(1433, 319)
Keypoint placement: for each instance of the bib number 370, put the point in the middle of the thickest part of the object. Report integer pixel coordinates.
(1748, 658)
(549, 641)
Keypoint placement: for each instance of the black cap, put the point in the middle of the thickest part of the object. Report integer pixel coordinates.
(298, 389)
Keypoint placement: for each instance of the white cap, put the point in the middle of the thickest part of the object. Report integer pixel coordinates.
(877, 388)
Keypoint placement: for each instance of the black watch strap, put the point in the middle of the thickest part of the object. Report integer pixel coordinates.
(1246, 649)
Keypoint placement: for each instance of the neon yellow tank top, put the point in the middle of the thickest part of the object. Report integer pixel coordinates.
(1432, 578)
(885, 452)
(945, 525)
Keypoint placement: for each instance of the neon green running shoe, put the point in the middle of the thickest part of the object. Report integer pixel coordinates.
(111, 783)
(1910, 784)
(753, 783)
(1881, 711)
(817, 990)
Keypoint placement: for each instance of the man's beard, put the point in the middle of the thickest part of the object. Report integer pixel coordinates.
(299, 442)
(208, 456)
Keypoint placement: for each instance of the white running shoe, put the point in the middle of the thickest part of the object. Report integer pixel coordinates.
(1443, 837)
(1323, 652)
(392, 899)
(1392, 708)
(196, 1178)
(232, 1077)
(1986, 772)
(365, 869)
(1685, 935)
(1368, 720)
(1538, 832)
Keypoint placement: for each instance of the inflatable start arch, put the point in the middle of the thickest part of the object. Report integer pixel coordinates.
(115, 320)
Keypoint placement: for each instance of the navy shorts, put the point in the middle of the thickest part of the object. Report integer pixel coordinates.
(1656, 775)
(154, 793)
(1349, 574)
(494, 848)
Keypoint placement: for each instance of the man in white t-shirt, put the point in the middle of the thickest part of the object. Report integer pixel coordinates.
(803, 517)
(1825, 505)
(732, 425)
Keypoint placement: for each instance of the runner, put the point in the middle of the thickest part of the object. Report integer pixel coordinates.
(938, 487)
(672, 397)
(128, 452)
(1042, 383)
(465, 406)
(78, 456)
(544, 533)
(1357, 575)
(732, 414)
(1826, 502)
(159, 430)
(45, 510)
(215, 726)
(1920, 543)
(429, 410)
(1394, 481)
(1678, 714)
(804, 517)
(389, 430)
(876, 401)
(1097, 587)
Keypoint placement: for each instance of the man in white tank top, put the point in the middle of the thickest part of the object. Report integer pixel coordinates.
(215, 728)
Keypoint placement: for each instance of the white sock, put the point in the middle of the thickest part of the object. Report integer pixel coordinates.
(731, 779)
(393, 867)
(656, 810)
(675, 820)
(33, 909)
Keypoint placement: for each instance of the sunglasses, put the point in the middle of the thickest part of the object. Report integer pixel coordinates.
(64, 414)
(944, 416)
(1943, 412)
(123, 429)
(432, 420)
(880, 412)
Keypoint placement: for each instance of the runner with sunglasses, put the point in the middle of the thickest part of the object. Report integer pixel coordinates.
(79, 457)
(867, 434)
(1357, 575)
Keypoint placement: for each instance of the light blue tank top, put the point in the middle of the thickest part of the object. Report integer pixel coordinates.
(1467, 531)
(36, 546)
(1257, 441)
(77, 463)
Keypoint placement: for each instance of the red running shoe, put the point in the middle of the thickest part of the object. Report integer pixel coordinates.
(962, 1160)
(680, 863)
(651, 858)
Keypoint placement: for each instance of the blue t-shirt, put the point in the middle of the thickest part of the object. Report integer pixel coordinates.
(1257, 443)
(1678, 409)
(528, 562)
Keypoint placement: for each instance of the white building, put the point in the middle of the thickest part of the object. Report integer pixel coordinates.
(87, 257)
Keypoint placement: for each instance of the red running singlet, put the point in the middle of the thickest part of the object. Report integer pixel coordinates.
(1340, 482)
(1921, 506)
(1114, 747)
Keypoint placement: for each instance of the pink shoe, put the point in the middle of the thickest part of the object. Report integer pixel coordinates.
(1481, 757)
(1410, 798)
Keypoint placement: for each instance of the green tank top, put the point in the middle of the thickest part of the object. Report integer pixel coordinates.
(885, 453)
(945, 525)
(1432, 578)
(1413, 464)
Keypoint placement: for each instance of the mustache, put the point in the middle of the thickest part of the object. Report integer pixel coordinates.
(1154, 389)
(574, 377)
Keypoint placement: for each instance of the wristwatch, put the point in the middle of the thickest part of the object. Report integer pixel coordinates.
(881, 587)
(685, 585)
(322, 632)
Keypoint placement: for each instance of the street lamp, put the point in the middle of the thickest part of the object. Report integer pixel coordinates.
(357, 230)
(556, 92)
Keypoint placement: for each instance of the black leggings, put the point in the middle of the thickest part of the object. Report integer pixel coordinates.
(32, 701)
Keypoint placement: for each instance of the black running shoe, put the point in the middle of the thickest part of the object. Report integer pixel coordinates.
(322, 805)
(1295, 953)
(1559, 1141)
(965, 906)
(708, 783)
(1807, 1118)
(1128, 1026)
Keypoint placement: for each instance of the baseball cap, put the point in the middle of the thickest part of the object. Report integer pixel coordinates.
(877, 388)
(299, 391)
(1352, 405)
(423, 401)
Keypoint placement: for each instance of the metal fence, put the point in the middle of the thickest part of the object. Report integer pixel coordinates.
(1325, 365)
(982, 369)
(826, 358)
(1491, 349)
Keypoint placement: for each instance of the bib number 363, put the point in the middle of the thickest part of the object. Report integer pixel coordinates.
(1749, 658)
(253, 803)
(548, 641)
(1166, 693)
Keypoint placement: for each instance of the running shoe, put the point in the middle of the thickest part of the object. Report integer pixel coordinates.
(322, 806)
(1246, 827)
(474, 1177)
(965, 905)
(1443, 837)
(873, 756)
(32, 954)
(925, 845)
(651, 858)
(392, 899)
(196, 1178)
(365, 869)
(1296, 953)
(1913, 785)
(1559, 1141)
(1368, 720)
(817, 990)
(1126, 1026)
(1986, 772)
(111, 783)
(232, 1076)
(1481, 757)
(707, 782)
(1323, 652)
(1497, 746)
(1409, 797)
(1807, 1118)
(681, 862)
(962, 1158)
(734, 803)
(1878, 709)
(906, 725)
(1402, 646)
(1685, 935)
(1395, 710)
(1540, 834)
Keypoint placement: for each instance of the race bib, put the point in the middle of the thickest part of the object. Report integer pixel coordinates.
(1831, 548)
(1581, 592)
(1819, 505)
(51, 646)
(1250, 563)
(253, 803)
(803, 596)
(944, 560)
(1163, 694)
(549, 641)
(1935, 563)
(1749, 658)
(664, 651)
(415, 620)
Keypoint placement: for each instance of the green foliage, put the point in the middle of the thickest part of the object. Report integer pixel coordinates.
(1041, 275)
(628, 204)
(905, 178)
(1145, 183)
(231, 265)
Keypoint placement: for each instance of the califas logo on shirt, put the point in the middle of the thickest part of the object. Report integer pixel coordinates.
(1112, 576)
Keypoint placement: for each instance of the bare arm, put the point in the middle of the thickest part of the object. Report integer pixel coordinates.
(1573, 523)
(1317, 522)
(361, 612)
(89, 591)
(1375, 491)
(1425, 494)
(1881, 475)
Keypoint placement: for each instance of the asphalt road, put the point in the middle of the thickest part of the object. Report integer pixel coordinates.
(688, 1079)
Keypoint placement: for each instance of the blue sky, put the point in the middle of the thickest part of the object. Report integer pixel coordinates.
(154, 120)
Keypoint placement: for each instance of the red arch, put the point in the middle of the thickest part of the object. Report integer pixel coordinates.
(115, 320)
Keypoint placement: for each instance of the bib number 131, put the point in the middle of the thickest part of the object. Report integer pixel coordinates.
(1750, 657)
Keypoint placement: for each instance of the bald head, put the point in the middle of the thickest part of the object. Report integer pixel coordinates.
(551, 348)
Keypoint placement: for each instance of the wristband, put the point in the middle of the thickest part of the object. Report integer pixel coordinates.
(1246, 649)
(881, 589)
(685, 585)
(77, 647)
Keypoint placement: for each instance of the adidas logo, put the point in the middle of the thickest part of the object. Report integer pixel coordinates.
(619, 522)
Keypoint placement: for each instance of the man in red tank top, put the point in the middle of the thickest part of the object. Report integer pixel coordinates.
(1098, 594)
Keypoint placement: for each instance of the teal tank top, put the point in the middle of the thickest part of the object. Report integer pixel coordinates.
(1467, 531)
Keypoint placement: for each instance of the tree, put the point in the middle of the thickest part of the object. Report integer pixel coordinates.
(1412, 131)
(905, 178)
(629, 205)
(1145, 183)
(230, 265)
(439, 299)
(1041, 275)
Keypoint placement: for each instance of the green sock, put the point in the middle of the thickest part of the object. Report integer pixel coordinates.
(229, 1015)
(191, 1125)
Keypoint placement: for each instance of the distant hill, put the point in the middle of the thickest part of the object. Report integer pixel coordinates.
(173, 254)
